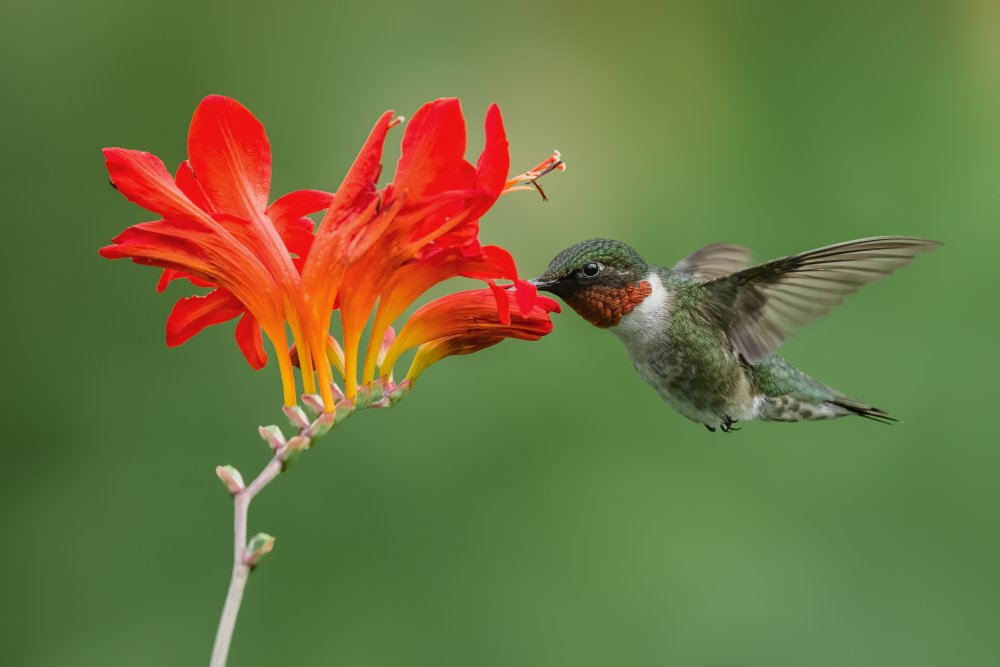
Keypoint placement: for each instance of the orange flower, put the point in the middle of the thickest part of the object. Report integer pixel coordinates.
(374, 246)
(463, 323)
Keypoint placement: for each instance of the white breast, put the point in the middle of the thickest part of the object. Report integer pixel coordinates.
(648, 318)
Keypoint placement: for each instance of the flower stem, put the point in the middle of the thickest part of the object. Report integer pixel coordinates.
(241, 561)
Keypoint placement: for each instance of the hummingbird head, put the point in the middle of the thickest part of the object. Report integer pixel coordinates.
(602, 280)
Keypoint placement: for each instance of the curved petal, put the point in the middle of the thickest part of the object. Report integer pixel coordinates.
(432, 157)
(351, 210)
(527, 294)
(191, 186)
(298, 239)
(160, 243)
(250, 341)
(493, 166)
(170, 275)
(502, 301)
(472, 316)
(295, 205)
(413, 279)
(357, 191)
(231, 156)
(193, 313)
(434, 351)
(145, 181)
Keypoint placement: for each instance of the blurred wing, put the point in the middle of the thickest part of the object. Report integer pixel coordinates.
(762, 306)
(714, 261)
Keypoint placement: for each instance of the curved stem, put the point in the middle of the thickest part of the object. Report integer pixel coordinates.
(241, 563)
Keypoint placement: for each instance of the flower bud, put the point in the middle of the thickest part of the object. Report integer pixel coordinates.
(338, 393)
(322, 425)
(295, 446)
(231, 479)
(297, 416)
(259, 546)
(363, 398)
(397, 392)
(314, 402)
(273, 435)
(344, 409)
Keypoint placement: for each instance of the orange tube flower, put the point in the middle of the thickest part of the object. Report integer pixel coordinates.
(376, 250)
(466, 322)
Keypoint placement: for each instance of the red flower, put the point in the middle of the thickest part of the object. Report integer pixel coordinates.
(463, 323)
(373, 246)
(218, 231)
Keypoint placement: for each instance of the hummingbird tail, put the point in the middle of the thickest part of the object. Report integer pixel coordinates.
(863, 410)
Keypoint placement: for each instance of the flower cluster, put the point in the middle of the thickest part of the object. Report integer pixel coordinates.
(376, 250)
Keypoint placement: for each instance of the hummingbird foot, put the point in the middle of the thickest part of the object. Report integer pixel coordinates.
(727, 424)
(710, 428)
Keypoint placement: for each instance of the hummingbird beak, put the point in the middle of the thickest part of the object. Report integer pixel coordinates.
(543, 285)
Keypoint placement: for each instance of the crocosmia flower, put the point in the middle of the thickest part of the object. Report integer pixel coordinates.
(376, 250)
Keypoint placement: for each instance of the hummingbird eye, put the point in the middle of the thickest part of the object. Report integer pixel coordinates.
(591, 269)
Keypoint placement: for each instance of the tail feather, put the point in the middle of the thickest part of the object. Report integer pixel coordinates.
(864, 410)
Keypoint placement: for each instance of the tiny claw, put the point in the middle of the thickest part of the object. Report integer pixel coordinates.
(727, 424)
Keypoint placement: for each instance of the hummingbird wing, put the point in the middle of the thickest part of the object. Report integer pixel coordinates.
(714, 261)
(761, 307)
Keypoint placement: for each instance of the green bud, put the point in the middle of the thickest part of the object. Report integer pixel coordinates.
(259, 546)
(344, 409)
(323, 424)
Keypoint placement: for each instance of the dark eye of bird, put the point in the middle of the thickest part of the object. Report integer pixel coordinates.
(591, 269)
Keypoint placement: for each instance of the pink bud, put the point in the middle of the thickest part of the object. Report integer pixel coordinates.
(297, 416)
(273, 435)
(231, 479)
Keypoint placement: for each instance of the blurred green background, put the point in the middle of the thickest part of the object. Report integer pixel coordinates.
(535, 504)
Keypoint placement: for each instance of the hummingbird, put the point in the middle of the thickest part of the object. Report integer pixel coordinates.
(704, 333)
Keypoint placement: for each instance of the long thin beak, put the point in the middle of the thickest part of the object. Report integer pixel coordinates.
(542, 284)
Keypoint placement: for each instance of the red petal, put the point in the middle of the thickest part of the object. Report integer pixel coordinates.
(341, 235)
(357, 190)
(295, 205)
(167, 277)
(298, 240)
(161, 243)
(191, 186)
(465, 322)
(143, 179)
(503, 302)
(251, 343)
(192, 314)
(170, 275)
(494, 162)
(412, 280)
(527, 295)
(433, 151)
(231, 156)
